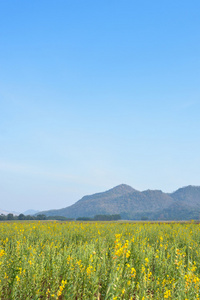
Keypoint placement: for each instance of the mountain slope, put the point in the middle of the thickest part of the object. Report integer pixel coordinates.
(132, 204)
(93, 204)
(5, 212)
(30, 212)
(189, 194)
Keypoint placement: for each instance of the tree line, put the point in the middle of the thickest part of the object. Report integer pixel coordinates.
(10, 217)
(101, 218)
(21, 217)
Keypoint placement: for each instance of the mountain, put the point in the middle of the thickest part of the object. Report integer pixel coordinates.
(5, 212)
(182, 204)
(30, 212)
(189, 194)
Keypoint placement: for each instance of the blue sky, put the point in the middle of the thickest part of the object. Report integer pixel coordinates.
(94, 94)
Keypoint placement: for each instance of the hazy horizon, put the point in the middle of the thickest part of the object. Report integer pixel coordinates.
(95, 94)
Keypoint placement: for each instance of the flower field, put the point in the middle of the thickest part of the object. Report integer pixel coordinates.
(72, 260)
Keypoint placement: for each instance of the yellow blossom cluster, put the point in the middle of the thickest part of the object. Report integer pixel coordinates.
(102, 260)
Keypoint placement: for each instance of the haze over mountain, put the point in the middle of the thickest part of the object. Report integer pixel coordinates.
(182, 204)
(6, 212)
(30, 212)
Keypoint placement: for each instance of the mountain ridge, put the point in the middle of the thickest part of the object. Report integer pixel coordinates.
(132, 204)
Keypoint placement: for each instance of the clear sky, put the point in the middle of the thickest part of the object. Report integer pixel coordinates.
(94, 94)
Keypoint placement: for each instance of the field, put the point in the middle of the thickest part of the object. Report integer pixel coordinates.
(72, 260)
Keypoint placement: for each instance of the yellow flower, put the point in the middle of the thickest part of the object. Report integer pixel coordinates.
(2, 252)
(167, 294)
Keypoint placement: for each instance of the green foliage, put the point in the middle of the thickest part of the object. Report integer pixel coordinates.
(21, 217)
(84, 219)
(99, 260)
(107, 217)
(10, 217)
(101, 218)
(59, 218)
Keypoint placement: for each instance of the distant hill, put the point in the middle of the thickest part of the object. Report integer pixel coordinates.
(3, 212)
(6, 212)
(183, 204)
(30, 212)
